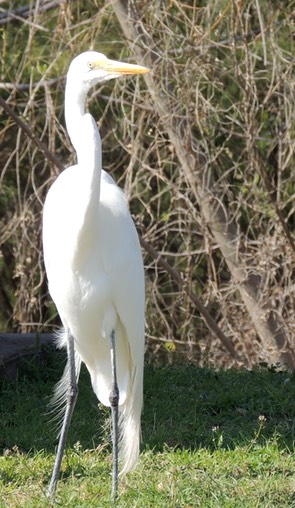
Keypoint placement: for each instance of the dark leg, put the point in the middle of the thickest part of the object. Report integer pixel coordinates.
(72, 393)
(114, 400)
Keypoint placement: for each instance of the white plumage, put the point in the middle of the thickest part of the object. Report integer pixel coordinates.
(93, 259)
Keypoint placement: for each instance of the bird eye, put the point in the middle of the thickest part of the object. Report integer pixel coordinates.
(90, 65)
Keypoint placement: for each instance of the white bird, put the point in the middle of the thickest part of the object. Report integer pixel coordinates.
(95, 273)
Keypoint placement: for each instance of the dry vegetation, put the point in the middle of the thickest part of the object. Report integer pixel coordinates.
(203, 148)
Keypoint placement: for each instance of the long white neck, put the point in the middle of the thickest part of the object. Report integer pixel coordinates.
(86, 140)
(82, 130)
(75, 99)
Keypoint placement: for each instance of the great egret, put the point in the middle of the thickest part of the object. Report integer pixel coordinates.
(95, 273)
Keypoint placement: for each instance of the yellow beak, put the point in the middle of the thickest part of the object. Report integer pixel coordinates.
(114, 67)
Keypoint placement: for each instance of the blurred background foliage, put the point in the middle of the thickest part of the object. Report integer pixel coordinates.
(226, 68)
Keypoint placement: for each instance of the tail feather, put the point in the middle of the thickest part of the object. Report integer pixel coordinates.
(57, 404)
(129, 424)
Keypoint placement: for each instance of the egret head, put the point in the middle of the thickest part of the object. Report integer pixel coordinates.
(90, 68)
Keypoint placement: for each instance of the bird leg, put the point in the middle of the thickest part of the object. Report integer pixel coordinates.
(114, 401)
(72, 393)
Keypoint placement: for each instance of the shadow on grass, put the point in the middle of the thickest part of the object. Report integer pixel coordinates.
(184, 406)
(190, 407)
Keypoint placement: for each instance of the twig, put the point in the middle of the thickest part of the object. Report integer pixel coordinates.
(22, 87)
(26, 11)
(272, 196)
(262, 32)
(26, 129)
(175, 275)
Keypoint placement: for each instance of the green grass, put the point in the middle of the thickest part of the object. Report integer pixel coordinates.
(210, 439)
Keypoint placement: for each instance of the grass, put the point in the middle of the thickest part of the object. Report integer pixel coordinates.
(210, 439)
